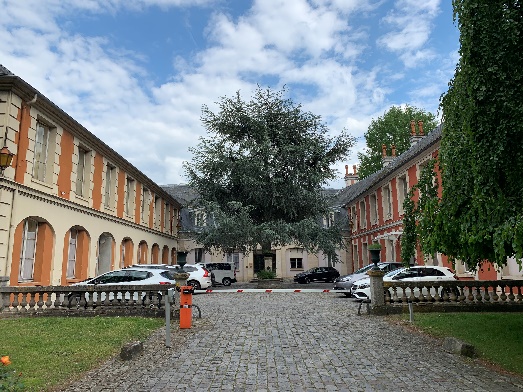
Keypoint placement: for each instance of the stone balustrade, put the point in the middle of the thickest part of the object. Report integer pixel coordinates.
(478, 292)
(147, 300)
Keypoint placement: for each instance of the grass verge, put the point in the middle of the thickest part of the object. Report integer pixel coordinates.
(497, 337)
(52, 350)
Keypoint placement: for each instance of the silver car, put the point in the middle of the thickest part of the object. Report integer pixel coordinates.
(345, 282)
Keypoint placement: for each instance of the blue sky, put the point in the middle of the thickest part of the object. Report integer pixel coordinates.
(137, 72)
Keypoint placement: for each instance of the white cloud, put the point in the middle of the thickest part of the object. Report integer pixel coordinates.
(312, 46)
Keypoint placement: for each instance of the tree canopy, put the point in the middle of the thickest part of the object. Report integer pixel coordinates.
(393, 128)
(259, 174)
(480, 214)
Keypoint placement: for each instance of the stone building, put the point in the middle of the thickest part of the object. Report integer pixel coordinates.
(70, 206)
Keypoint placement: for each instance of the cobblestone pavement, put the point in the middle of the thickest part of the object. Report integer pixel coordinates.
(292, 342)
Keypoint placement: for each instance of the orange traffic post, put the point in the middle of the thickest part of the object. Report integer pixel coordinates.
(186, 306)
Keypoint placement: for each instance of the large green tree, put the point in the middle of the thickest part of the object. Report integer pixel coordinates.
(259, 174)
(393, 128)
(480, 214)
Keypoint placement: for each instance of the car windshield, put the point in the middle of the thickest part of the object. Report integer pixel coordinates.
(364, 269)
(394, 272)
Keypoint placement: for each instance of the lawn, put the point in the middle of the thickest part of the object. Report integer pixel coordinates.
(51, 350)
(497, 337)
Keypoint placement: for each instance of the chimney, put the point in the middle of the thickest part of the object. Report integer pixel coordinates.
(416, 137)
(350, 179)
(384, 157)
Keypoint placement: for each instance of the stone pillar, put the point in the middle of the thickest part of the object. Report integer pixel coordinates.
(376, 288)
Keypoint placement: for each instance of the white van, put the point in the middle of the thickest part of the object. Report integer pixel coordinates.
(224, 273)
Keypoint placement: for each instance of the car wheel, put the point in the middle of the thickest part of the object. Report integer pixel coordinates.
(226, 281)
(195, 284)
(306, 280)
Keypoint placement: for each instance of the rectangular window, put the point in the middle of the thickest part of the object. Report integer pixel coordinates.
(365, 253)
(354, 218)
(27, 256)
(109, 185)
(166, 218)
(157, 211)
(80, 172)
(41, 152)
(198, 255)
(200, 219)
(71, 259)
(234, 258)
(363, 215)
(129, 193)
(296, 263)
(387, 202)
(373, 209)
(145, 205)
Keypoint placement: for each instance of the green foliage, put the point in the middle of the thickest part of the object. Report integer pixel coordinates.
(393, 128)
(374, 246)
(266, 274)
(10, 380)
(480, 214)
(260, 171)
(420, 218)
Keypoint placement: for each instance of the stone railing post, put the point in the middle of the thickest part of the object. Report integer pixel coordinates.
(376, 288)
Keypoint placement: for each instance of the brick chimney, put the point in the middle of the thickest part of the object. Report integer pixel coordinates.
(416, 136)
(386, 159)
(350, 178)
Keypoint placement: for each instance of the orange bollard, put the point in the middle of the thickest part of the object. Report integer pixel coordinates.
(186, 306)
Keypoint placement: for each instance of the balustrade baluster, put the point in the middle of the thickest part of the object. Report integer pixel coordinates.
(486, 295)
(479, 296)
(503, 295)
(31, 302)
(511, 296)
(23, 303)
(49, 300)
(40, 302)
(519, 296)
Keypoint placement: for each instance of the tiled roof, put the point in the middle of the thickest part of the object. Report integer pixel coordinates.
(182, 193)
(5, 71)
(352, 192)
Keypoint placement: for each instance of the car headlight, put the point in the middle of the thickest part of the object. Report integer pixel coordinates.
(364, 286)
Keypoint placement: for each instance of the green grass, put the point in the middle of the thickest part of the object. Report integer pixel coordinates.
(51, 350)
(497, 337)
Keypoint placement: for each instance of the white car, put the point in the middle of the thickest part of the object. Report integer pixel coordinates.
(361, 288)
(199, 277)
(128, 276)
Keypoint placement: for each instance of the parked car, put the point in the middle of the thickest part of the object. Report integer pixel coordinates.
(327, 274)
(223, 273)
(128, 276)
(345, 282)
(361, 288)
(199, 277)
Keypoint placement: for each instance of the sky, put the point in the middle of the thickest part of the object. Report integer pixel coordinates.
(136, 73)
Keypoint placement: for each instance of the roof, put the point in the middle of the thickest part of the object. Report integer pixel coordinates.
(182, 193)
(352, 192)
(11, 82)
(5, 71)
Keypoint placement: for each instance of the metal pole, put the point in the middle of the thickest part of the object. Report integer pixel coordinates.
(170, 296)
(411, 313)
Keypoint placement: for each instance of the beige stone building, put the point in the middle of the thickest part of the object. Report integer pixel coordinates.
(70, 206)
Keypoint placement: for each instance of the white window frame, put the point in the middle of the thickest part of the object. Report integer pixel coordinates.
(129, 196)
(41, 151)
(363, 214)
(373, 201)
(28, 255)
(298, 263)
(387, 202)
(81, 171)
(234, 258)
(71, 254)
(109, 185)
(403, 190)
(145, 205)
(354, 218)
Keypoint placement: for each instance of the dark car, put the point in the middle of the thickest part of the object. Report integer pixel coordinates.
(327, 274)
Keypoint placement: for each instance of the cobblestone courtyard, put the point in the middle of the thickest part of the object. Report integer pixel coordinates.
(292, 342)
